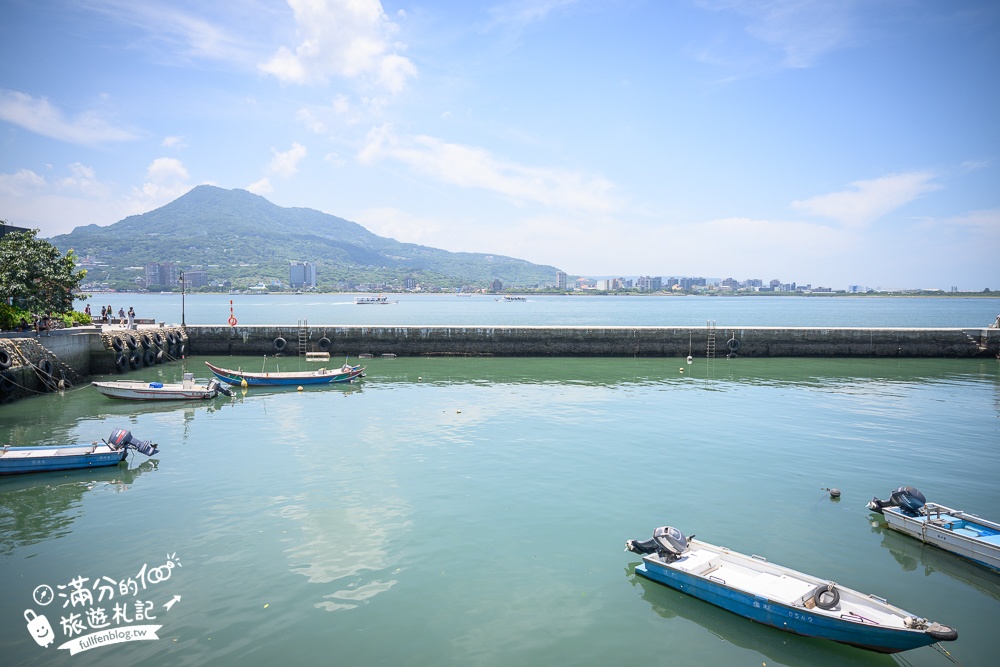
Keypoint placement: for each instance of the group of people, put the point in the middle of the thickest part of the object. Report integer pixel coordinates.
(108, 315)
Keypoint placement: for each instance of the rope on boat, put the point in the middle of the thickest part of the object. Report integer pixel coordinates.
(943, 651)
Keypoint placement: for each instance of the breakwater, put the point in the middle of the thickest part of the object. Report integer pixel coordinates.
(593, 341)
(30, 365)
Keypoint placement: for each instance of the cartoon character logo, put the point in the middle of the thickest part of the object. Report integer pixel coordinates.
(39, 628)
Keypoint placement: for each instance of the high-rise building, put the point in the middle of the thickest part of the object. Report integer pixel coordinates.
(560, 280)
(162, 274)
(302, 274)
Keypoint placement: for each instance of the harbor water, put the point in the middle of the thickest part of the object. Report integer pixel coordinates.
(473, 511)
(560, 310)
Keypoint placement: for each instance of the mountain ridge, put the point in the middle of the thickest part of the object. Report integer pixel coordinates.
(244, 238)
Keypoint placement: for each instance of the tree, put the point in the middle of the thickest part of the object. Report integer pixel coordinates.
(35, 276)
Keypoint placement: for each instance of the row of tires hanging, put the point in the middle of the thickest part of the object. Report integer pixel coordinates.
(44, 369)
(134, 350)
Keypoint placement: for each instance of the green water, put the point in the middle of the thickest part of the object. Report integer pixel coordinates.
(473, 511)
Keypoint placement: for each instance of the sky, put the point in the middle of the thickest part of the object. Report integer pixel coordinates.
(823, 142)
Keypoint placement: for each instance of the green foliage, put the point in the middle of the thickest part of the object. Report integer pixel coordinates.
(35, 275)
(241, 237)
(10, 317)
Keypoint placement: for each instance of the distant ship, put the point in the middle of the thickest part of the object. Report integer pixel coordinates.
(377, 300)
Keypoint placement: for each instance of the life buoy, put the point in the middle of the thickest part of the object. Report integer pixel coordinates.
(826, 596)
(117, 344)
(149, 357)
(733, 344)
(45, 367)
(232, 320)
(135, 361)
(131, 342)
(6, 383)
(279, 343)
(121, 363)
(5, 359)
(324, 344)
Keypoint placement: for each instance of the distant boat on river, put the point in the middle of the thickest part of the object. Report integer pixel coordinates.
(379, 300)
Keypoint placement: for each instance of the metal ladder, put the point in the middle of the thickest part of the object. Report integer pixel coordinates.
(303, 336)
(710, 345)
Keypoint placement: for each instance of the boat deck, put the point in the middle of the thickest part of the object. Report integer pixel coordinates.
(960, 526)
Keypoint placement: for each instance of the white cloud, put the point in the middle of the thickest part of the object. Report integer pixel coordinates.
(342, 38)
(286, 164)
(471, 167)
(166, 180)
(21, 183)
(39, 116)
(869, 200)
(261, 187)
(174, 142)
(803, 30)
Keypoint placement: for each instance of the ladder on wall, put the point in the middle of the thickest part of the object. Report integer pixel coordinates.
(710, 345)
(303, 336)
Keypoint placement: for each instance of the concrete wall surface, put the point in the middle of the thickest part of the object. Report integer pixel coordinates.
(593, 341)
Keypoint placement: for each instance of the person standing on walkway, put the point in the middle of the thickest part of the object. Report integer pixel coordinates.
(131, 318)
(121, 317)
(87, 310)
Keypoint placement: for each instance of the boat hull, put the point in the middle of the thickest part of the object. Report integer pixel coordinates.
(18, 460)
(796, 620)
(237, 378)
(964, 535)
(141, 391)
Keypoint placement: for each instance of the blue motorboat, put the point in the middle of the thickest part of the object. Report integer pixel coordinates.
(16, 460)
(781, 597)
(961, 533)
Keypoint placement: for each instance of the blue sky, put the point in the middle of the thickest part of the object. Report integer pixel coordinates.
(831, 142)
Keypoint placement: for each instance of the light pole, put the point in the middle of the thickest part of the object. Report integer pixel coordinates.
(182, 299)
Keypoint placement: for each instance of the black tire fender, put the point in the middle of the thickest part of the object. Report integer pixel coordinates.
(131, 342)
(121, 363)
(324, 344)
(45, 367)
(117, 345)
(732, 344)
(826, 596)
(279, 343)
(6, 383)
(5, 359)
(135, 361)
(149, 357)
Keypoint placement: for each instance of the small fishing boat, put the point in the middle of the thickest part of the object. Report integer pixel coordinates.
(961, 533)
(346, 373)
(379, 300)
(186, 390)
(512, 297)
(15, 460)
(781, 597)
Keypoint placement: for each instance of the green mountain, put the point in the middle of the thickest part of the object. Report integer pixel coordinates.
(243, 238)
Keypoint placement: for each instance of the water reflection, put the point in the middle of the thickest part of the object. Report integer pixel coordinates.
(912, 554)
(778, 646)
(43, 506)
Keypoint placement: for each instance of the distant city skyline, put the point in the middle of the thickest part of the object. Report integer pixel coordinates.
(843, 142)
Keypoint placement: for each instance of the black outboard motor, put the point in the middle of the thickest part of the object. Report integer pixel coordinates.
(906, 498)
(121, 438)
(666, 541)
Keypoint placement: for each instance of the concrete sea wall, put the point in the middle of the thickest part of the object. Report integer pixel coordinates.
(593, 341)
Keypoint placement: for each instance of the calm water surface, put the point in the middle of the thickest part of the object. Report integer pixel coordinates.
(473, 511)
(442, 309)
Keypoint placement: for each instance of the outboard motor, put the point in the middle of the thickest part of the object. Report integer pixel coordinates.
(666, 541)
(121, 438)
(906, 498)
